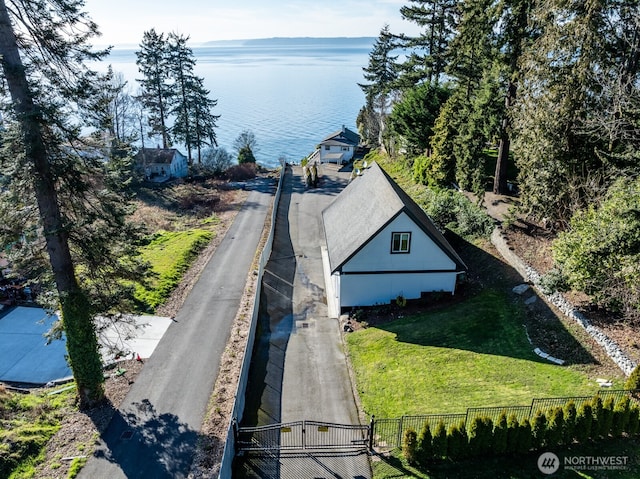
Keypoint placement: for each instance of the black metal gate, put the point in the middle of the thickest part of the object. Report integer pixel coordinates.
(301, 435)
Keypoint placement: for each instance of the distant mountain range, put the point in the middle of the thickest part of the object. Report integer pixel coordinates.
(295, 42)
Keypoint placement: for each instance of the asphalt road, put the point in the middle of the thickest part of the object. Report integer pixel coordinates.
(154, 432)
(299, 369)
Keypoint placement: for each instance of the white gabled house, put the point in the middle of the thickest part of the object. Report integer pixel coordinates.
(381, 245)
(161, 164)
(339, 147)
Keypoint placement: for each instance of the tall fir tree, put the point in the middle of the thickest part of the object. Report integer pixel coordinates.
(58, 203)
(572, 74)
(157, 91)
(427, 60)
(381, 73)
(194, 121)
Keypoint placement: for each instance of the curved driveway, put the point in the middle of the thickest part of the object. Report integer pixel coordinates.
(154, 432)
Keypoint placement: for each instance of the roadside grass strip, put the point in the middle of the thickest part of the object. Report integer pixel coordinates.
(472, 354)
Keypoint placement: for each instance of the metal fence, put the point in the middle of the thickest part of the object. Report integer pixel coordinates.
(387, 433)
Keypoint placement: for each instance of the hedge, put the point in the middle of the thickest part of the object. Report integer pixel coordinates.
(555, 427)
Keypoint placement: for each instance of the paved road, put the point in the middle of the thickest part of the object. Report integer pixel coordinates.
(299, 370)
(154, 432)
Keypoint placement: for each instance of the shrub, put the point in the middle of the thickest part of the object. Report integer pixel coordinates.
(245, 171)
(555, 427)
(410, 445)
(457, 442)
(633, 381)
(607, 418)
(525, 437)
(513, 430)
(539, 430)
(425, 446)
(440, 441)
(570, 414)
(480, 436)
(621, 413)
(634, 421)
(596, 425)
(500, 433)
(584, 422)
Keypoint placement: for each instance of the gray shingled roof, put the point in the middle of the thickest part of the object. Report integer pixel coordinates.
(156, 155)
(364, 208)
(342, 137)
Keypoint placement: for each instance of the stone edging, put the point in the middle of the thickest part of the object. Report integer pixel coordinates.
(557, 299)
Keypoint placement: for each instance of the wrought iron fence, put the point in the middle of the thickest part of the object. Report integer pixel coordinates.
(387, 433)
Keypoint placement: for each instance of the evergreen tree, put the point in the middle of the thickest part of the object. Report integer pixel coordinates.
(381, 73)
(427, 58)
(194, 123)
(75, 239)
(515, 35)
(573, 114)
(157, 92)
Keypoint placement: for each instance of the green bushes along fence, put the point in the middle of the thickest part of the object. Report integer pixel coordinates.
(547, 423)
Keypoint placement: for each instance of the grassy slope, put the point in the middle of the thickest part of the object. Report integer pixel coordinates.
(471, 354)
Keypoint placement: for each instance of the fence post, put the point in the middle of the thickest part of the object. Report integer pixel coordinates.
(234, 426)
(400, 426)
(372, 424)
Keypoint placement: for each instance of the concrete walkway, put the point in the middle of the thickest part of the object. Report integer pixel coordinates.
(154, 432)
(299, 369)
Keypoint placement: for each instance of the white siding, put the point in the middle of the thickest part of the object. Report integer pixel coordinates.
(371, 289)
(424, 253)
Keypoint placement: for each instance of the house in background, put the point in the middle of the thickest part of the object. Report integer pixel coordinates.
(161, 164)
(338, 147)
(381, 245)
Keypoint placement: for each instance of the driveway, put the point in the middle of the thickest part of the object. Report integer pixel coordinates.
(299, 368)
(154, 432)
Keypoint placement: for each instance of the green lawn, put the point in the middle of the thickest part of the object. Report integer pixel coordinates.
(170, 255)
(472, 354)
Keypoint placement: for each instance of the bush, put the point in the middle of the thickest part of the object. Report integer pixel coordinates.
(621, 414)
(539, 430)
(584, 422)
(555, 428)
(425, 446)
(457, 442)
(570, 414)
(500, 434)
(606, 423)
(245, 171)
(525, 438)
(596, 425)
(634, 421)
(633, 381)
(480, 436)
(513, 431)
(440, 441)
(410, 445)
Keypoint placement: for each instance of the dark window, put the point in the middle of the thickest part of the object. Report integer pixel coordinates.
(400, 242)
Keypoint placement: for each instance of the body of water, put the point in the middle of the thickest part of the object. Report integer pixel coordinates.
(289, 96)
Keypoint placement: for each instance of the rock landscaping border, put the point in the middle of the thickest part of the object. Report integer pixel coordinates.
(611, 348)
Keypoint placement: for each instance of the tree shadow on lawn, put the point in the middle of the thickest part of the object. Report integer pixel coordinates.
(485, 315)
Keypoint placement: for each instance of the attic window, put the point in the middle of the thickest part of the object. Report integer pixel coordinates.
(400, 242)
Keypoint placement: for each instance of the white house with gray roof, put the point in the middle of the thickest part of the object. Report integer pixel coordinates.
(381, 245)
(338, 147)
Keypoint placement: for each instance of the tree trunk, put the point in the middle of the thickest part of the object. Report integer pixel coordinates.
(82, 344)
(500, 186)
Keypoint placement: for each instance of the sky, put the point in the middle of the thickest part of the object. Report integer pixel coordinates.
(124, 21)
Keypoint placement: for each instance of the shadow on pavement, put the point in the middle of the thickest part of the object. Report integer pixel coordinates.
(275, 323)
(165, 445)
(296, 465)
